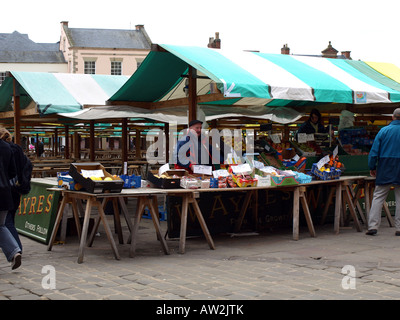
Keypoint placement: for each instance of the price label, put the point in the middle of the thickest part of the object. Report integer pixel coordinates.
(163, 168)
(220, 173)
(199, 169)
(310, 137)
(241, 169)
(322, 162)
(335, 152)
(296, 157)
(302, 137)
(275, 138)
(92, 173)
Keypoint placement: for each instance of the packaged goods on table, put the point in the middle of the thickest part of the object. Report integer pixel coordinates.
(329, 168)
(243, 176)
(94, 178)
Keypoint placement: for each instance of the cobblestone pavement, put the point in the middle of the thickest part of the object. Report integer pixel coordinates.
(269, 265)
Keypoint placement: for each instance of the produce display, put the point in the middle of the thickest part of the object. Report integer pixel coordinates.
(332, 169)
(356, 141)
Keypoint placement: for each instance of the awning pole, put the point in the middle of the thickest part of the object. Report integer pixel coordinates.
(17, 113)
(66, 147)
(125, 146)
(192, 94)
(55, 145)
(166, 128)
(92, 154)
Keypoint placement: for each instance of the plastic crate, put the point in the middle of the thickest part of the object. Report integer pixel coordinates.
(161, 212)
(303, 178)
(326, 175)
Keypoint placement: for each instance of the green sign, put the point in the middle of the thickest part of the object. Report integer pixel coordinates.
(37, 212)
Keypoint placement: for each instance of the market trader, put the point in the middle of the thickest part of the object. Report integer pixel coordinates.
(193, 148)
(313, 124)
(384, 163)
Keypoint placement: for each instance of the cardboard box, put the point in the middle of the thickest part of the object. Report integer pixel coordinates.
(244, 182)
(263, 181)
(271, 160)
(64, 180)
(279, 181)
(169, 182)
(95, 186)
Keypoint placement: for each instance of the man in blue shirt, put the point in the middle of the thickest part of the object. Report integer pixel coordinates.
(384, 163)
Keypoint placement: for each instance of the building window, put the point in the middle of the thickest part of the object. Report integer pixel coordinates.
(116, 68)
(90, 67)
(2, 77)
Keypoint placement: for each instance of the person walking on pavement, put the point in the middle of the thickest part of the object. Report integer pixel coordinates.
(23, 185)
(384, 164)
(8, 171)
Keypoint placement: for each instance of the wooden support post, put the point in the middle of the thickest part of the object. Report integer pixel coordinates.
(192, 94)
(124, 144)
(338, 201)
(138, 148)
(17, 113)
(77, 146)
(306, 211)
(347, 199)
(37, 145)
(66, 147)
(55, 148)
(92, 146)
(166, 137)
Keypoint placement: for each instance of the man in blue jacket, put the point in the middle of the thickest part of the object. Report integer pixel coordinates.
(193, 148)
(384, 163)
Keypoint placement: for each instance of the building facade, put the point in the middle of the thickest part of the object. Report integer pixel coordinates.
(104, 51)
(19, 53)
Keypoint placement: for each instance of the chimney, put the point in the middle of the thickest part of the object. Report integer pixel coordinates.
(64, 24)
(329, 52)
(346, 54)
(285, 49)
(139, 26)
(214, 43)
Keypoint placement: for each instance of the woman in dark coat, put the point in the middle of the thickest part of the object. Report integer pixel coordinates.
(20, 160)
(313, 124)
(8, 171)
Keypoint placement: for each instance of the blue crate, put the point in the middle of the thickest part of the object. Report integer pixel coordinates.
(161, 212)
(303, 178)
(131, 181)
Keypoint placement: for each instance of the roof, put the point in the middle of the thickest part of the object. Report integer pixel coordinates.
(18, 48)
(108, 38)
(59, 92)
(254, 78)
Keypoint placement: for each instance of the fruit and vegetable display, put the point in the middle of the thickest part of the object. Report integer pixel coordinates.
(328, 168)
(356, 141)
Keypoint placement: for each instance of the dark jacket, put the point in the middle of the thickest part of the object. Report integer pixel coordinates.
(7, 172)
(193, 154)
(384, 156)
(24, 172)
(308, 128)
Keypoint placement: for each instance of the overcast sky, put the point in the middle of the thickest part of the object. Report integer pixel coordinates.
(369, 29)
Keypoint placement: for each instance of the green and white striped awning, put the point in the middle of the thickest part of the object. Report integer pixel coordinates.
(59, 92)
(254, 78)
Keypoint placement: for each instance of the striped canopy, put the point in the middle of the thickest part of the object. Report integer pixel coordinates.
(59, 92)
(254, 78)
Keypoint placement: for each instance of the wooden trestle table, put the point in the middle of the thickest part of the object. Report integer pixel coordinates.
(147, 197)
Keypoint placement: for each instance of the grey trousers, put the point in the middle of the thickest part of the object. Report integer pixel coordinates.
(380, 194)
